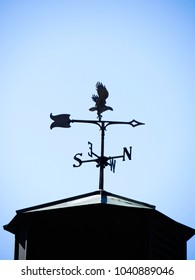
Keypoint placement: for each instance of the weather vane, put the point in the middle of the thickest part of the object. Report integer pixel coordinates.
(102, 161)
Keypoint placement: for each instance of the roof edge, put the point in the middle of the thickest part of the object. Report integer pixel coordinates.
(103, 200)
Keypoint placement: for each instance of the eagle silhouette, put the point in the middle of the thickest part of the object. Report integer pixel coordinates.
(100, 100)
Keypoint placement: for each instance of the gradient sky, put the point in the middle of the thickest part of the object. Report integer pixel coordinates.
(52, 53)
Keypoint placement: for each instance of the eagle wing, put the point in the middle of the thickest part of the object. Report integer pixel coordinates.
(102, 93)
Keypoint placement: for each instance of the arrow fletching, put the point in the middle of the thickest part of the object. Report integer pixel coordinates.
(62, 120)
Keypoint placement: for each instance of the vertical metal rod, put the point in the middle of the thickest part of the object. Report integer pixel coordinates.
(102, 166)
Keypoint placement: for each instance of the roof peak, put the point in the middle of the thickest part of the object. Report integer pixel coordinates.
(96, 197)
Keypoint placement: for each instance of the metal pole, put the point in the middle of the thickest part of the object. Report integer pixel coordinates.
(102, 164)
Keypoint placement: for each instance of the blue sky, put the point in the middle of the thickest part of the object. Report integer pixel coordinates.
(52, 54)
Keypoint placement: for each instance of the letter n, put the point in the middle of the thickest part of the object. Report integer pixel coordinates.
(127, 153)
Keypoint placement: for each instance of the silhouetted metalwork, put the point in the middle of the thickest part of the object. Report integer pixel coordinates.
(100, 100)
(102, 161)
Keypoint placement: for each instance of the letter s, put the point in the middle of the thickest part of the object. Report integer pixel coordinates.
(78, 159)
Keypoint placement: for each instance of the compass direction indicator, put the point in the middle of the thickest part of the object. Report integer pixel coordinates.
(102, 161)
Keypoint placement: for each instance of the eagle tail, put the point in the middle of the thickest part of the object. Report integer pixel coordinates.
(93, 109)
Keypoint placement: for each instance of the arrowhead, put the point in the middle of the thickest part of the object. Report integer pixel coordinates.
(135, 123)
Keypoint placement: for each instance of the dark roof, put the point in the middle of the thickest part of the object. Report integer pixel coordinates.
(97, 199)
